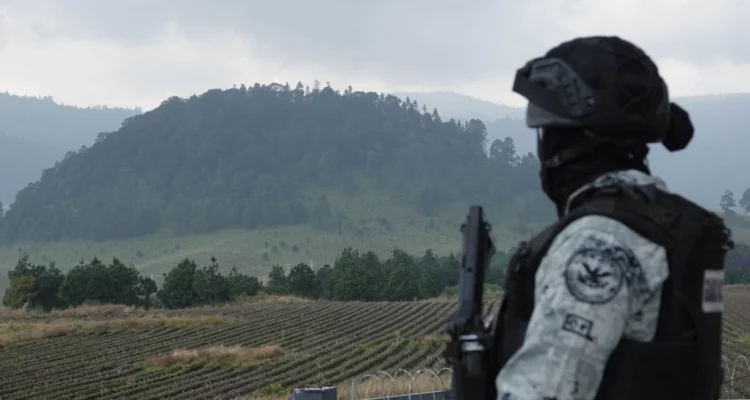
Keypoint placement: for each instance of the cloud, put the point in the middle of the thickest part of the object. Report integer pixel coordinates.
(138, 52)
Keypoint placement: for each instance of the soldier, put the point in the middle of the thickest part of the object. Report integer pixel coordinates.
(621, 297)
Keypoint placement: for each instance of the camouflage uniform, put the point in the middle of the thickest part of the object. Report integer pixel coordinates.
(599, 281)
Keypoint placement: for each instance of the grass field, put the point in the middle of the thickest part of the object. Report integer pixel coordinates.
(155, 254)
(261, 349)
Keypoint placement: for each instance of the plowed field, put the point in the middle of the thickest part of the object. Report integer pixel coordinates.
(271, 347)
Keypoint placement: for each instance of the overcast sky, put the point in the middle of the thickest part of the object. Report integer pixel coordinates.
(139, 52)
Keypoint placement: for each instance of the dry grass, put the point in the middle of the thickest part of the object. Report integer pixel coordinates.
(104, 311)
(20, 332)
(271, 298)
(98, 311)
(228, 355)
(401, 385)
(109, 311)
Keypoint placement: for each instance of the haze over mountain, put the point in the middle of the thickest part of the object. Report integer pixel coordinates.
(464, 107)
(230, 191)
(36, 132)
(714, 161)
(184, 47)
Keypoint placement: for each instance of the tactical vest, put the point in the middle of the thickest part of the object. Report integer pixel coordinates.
(684, 359)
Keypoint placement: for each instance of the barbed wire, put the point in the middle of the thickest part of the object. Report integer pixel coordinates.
(388, 381)
(733, 374)
(736, 369)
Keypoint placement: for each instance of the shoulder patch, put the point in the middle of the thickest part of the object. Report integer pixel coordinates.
(598, 269)
(592, 278)
(713, 296)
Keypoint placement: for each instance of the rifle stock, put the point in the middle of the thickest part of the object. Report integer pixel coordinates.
(469, 348)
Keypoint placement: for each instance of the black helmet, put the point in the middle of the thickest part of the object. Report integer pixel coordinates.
(606, 85)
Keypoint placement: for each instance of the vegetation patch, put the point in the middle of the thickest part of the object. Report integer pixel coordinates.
(401, 385)
(430, 341)
(744, 338)
(367, 348)
(226, 355)
(368, 388)
(274, 390)
(273, 298)
(21, 332)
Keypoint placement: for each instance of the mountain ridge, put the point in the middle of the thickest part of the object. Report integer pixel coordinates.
(242, 157)
(35, 132)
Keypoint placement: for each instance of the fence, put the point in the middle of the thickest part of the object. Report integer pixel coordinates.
(736, 377)
(424, 384)
(382, 385)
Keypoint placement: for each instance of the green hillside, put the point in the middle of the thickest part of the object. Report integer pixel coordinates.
(256, 250)
(233, 173)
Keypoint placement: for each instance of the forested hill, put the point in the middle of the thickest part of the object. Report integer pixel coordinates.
(268, 156)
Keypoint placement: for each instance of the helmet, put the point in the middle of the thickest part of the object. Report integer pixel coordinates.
(606, 85)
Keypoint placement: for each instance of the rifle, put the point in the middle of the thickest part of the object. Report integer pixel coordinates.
(469, 349)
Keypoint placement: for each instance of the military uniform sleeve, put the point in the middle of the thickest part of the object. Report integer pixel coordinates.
(599, 281)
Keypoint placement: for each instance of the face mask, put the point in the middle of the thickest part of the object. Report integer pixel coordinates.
(547, 174)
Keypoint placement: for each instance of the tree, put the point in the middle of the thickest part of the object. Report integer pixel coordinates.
(209, 285)
(88, 282)
(242, 285)
(302, 281)
(403, 277)
(745, 201)
(737, 264)
(146, 288)
(20, 292)
(277, 280)
(324, 277)
(727, 201)
(124, 283)
(177, 290)
(504, 151)
(47, 280)
(374, 274)
(430, 284)
(349, 276)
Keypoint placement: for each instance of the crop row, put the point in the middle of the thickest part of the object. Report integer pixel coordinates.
(321, 342)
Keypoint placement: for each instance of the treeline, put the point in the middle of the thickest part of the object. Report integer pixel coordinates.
(47, 287)
(728, 205)
(185, 285)
(367, 277)
(737, 265)
(264, 156)
(353, 276)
